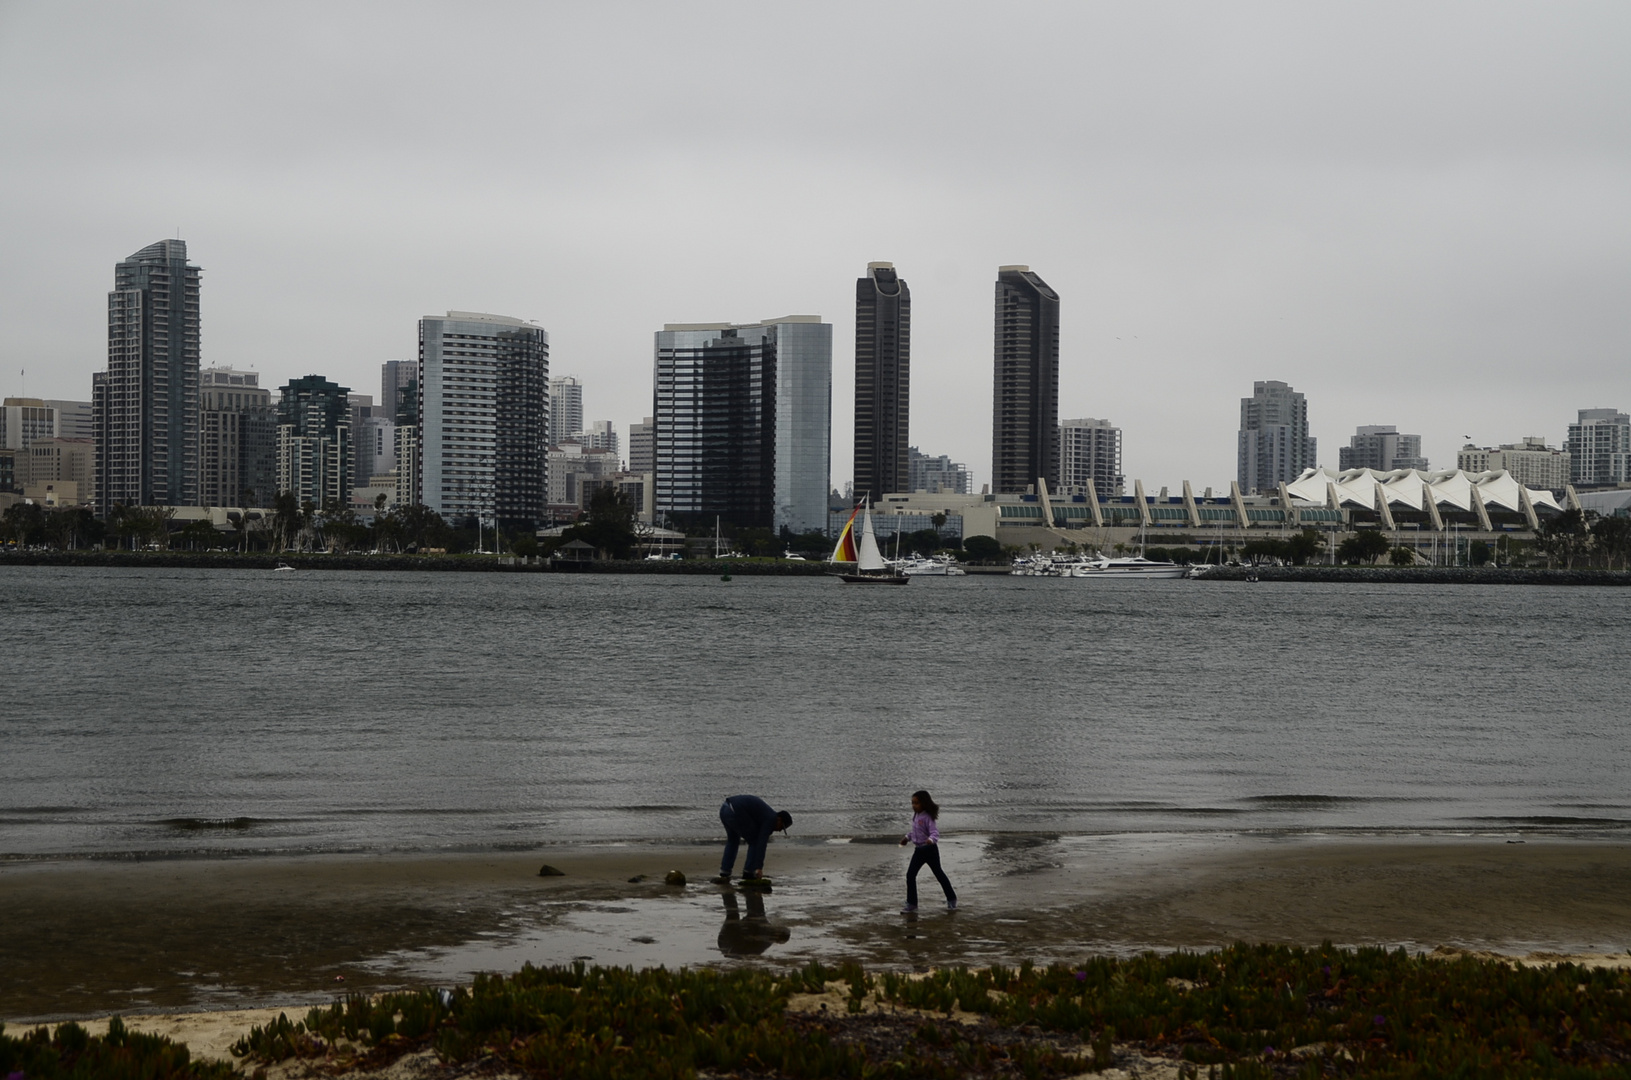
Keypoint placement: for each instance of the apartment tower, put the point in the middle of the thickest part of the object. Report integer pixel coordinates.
(1599, 447)
(565, 408)
(314, 449)
(237, 439)
(883, 367)
(145, 405)
(1090, 457)
(1025, 390)
(484, 414)
(1273, 445)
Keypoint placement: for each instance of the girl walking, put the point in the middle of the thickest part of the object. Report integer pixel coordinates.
(925, 835)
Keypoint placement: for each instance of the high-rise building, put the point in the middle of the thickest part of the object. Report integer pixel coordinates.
(237, 439)
(22, 420)
(1530, 462)
(373, 439)
(744, 422)
(1381, 447)
(1599, 447)
(146, 405)
(565, 408)
(75, 420)
(643, 446)
(1273, 445)
(938, 474)
(314, 441)
(1025, 390)
(572, 466)
(484, 407)
(599, 435)
(1090, 457)
(883, 353)
(398, 389)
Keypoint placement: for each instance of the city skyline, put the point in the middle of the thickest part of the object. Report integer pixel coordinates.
(1236, 197)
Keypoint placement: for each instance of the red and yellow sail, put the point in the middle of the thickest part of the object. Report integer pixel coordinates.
(845, 549)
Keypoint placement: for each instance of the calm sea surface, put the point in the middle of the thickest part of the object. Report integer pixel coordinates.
(207, 711)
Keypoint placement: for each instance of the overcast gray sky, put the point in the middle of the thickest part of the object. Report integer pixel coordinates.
(1416, 213)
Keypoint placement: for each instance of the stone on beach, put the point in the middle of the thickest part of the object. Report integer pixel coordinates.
(673, 877)
(550, 871)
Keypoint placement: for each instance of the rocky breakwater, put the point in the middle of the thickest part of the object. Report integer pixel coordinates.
(1419, 575)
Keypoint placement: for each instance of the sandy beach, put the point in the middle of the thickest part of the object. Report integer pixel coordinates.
(86, 939)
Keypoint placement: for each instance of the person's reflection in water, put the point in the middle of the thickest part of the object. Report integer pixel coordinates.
(752, 935)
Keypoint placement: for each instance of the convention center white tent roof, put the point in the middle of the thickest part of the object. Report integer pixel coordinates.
(1410, 489)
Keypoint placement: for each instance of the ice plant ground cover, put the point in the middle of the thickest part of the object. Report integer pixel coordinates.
(1243, 1011)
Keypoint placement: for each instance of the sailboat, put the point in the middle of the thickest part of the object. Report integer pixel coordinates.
(870, 567)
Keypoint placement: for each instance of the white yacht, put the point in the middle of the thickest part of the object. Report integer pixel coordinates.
(1137, 566)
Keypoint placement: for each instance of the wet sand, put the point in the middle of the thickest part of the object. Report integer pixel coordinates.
(80, 939)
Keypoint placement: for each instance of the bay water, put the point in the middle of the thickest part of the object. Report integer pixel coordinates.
(156, 712)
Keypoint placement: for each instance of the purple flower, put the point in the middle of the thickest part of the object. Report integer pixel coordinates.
(1379, 1020)
(18, 1075)
(1328, 969)
(1268, 1051)
(1081, 976)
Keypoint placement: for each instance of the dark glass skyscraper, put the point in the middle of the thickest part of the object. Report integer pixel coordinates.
(146, 404)
(883, 352)
(744, 422)
(1025, 391)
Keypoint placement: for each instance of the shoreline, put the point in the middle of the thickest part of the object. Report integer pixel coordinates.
(1344, 575)
(170, 937)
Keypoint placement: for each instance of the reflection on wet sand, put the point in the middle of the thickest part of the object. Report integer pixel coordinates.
(752, 935)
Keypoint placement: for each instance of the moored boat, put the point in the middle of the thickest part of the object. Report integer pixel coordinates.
(1136, 567)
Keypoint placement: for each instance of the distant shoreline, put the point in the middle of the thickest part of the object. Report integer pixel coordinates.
(1350, 575)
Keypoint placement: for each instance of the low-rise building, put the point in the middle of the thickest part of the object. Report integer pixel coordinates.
(1530, 462)
(61, 462)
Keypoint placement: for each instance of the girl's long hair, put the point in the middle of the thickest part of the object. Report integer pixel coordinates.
(928, 804)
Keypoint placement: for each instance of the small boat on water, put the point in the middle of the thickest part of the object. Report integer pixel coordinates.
(1136, 567)
(933, 566)
(282, 567)
(870, 567)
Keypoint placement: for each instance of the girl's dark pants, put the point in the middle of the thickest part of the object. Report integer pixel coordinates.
(927, 854)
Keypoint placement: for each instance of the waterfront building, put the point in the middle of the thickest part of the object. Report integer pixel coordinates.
(1273, 445)
(145, 406)
(883, 362)
(938, 473)
(565, 408)
(744, 422)
(1025, 391)
(1599, 447)
(237, 439)
(8, 473)
(22, 420)
(314, 442)
(1090, 457)
(643, 446)
(372, 439)
(1530, 462)
(406, 472)
(484, 415)
(1381, 447)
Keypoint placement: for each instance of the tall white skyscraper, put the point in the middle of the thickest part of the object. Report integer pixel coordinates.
(1090, 457)
(483, 417)
(565, 408)
(1599, 447)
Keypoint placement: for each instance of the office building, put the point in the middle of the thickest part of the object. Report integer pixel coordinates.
(1531, 462)
(146, 405)
(8, 472)
(599, 435)
(883, 352)
(75, 419)
(1025, 390)
(1599, 447)
(314, 454)
(1381, 447)
(936, 474)
(744, 422)
(398, 389)
(643, 446)
(22, 420)
(572, 467)
(237, 439)
(373, 439)
(1090, 457)
(1273, 446)
(58, 462)
(565, 408)
(484, 413)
